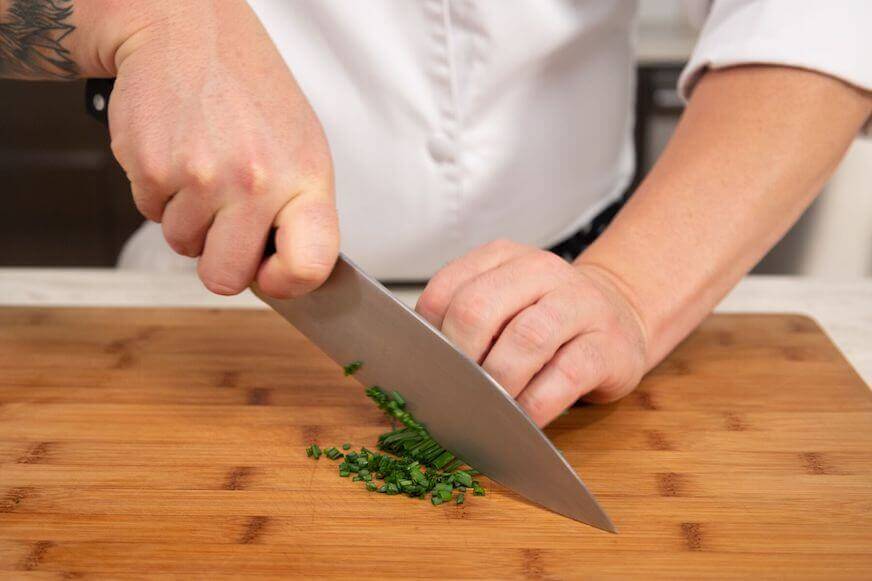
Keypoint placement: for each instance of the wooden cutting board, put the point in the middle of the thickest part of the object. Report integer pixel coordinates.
(172, 442)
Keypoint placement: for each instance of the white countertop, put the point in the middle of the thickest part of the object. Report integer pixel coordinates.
(844, 309)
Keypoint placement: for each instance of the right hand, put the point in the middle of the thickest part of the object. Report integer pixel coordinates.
(220, 145)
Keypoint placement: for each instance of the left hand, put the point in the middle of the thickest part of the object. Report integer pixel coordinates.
(548, 331)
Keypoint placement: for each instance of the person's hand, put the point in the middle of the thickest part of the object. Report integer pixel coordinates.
(220, 145)
(549, 332)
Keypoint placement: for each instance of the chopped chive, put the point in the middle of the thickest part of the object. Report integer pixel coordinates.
(409, 461)
(463, 478)
(352, 367)
(443, 459)
(454, 465)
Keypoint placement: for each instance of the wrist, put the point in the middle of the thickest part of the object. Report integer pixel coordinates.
(618, 287)
(110, 31)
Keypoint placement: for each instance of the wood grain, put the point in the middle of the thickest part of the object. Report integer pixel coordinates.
(169, 443)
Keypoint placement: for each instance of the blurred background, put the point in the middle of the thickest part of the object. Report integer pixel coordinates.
(67, 203)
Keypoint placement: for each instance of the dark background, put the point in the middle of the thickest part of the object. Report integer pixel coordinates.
(66, 202)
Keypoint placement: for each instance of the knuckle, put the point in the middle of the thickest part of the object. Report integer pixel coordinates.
(569, 369)
(118, 146)
(200, 174)
(431, 301)
(436, 296)
(181, 242)
(471, 310)
(532, 331)
(252, 177)
(536, 406)
(152, 173)
(500, 245)
(550, 261)
(145, 204)
(315, 170)
(143, 208)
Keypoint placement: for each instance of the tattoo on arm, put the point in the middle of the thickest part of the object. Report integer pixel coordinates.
(32, 34)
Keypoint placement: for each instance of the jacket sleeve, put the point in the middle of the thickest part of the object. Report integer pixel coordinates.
(833, 38)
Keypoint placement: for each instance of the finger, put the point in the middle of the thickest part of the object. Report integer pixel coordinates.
(577, 368)
(533, 337)
(307, 244)
(234, 248)
(434, 301)
(185, 222)
(481, 307)
(150, 199)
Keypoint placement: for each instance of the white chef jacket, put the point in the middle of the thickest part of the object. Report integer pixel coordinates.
(455, 122)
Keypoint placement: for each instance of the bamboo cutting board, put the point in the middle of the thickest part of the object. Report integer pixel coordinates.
(171, 442)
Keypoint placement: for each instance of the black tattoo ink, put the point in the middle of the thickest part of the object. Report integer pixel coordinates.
(32, 34)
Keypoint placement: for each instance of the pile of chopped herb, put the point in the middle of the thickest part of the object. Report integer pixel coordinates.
(410, 461)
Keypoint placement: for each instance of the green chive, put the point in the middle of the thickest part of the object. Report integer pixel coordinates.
(352, 367)
(463, 478)
(410, 461)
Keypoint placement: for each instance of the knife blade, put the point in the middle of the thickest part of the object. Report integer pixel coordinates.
(353, 317)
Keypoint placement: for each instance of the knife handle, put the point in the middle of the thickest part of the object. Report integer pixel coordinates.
(97, 95)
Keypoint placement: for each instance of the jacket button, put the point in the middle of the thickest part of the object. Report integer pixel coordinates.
(442, 149)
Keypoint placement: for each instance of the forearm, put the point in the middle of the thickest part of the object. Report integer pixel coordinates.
(69, 39)
(753, 148)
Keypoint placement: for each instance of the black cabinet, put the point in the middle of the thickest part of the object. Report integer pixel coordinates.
(65, 201)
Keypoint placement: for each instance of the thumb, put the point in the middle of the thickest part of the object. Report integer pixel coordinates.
(307, 244)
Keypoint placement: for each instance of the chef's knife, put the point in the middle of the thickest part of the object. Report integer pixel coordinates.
(353, 317)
